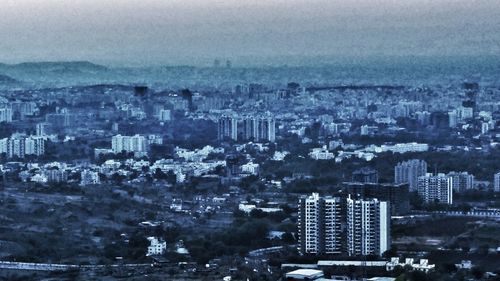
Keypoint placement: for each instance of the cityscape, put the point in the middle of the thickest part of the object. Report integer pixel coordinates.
(266, 165)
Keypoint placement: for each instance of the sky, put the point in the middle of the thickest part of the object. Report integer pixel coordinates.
(156, 32)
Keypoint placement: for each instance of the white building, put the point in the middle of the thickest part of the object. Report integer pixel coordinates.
(465, 113)
(5, 115)
(157, 246)
(496, 182)
(368, 227)
(304, 274)
(136, 144)
(452, 119)
(227, 128)
(461, 181)
(165, 115)
(332, 225)
(422, 265)
(485, 127)
(250, 168)
(408, 147)
(154, 139)
(320, 225)
(34, 145)
(41, 129)
(368, 130)
(56, 175)
(321, 154)
(20, 145)
(409, 171)
(436, 188)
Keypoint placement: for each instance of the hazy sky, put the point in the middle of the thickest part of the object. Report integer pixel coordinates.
(180, 31)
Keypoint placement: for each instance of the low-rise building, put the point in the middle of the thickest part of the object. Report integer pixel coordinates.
(157, 246)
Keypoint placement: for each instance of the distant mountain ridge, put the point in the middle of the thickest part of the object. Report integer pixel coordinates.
(78, 66)
(5, 79)
(414, 71)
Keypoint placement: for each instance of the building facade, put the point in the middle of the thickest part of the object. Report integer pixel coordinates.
(496, 182)
(396, 194)
(409, 171)
(368, 227)
(337, 225)
(136, 144)
(227, 128)
(21, 145)
(321, 229)
(461, 181)
(436, 188)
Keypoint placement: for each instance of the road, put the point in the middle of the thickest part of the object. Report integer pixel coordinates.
(64, 267)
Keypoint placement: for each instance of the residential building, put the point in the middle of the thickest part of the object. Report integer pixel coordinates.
(397, 194)
(368, 227)
(436, 188)
(157, 246)
(321, 225)
(422, 265)
(41, 129)
(56, 175)
(496, 182)
(321, 154)
(461, 181)
(409, 171)
(135, 144)
(165, 115)
(365, 175)
(6, 114)
(452, 119)
(250, 168)
(19, 145)
(336, 225)
(227, 128)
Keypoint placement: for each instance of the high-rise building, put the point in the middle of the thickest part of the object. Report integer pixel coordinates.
(453, 119)
(60, 120)
(251, 128)
(409, 171)
(396, 194)
(267, 129)
(228, 128)
(34, 145)
(461, 181)
(41, 129)
(471, 90)
(496, 182)
(16, 146)
(368, 227)
(320, 224)
(436, 188)
(6, 114)
(56, 175)
(485, 127)
(423, 117)
(20, 145)
(259, 128)
(136, 144)
(365, 175)
(164, 115)
(24, 108)
(336, 225)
